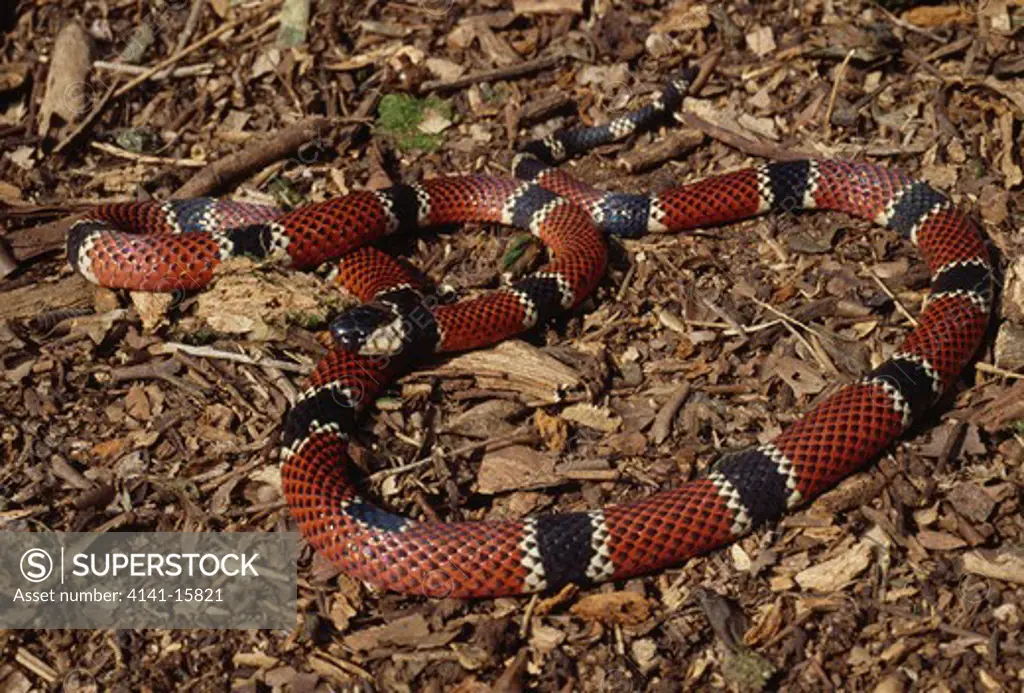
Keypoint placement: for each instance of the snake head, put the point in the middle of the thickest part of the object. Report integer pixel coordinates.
(370, 330)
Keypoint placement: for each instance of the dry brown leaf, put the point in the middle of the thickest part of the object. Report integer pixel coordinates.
(940, 541)
(332, 672)
(471, 684)
(9, 193)
(1013, 289)
(941, 176)
(221, 7)
(1012, 174)
(471, 657)
(622, 608)
(434, 122)
(67, 78)
(553, 430)
(1011, 89)
(1004, 409)
(863, 329)
(516, 468)
(713, 112)
(994, 204)
(544, 639)
(767, 624)
(931, 16)
(259, 305)
(801, 377)
(110, 448)
(410, 630)
(96, 327)
(486, 420)
(280, 677)
(369, 57)
(624, 443)
(341, 613)
(764, 127)
(819, 603)
(136, 403)
(491, 43)
(645, 653)
(269, 480)
(445, 70)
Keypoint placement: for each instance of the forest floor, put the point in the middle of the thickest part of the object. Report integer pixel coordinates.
(124, 412)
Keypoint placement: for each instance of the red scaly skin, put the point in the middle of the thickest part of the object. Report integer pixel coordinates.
(366, 272)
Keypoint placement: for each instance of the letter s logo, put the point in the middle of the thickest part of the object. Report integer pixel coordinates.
(36, 565)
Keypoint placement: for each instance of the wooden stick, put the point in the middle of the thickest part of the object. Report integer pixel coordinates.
(211, 353)
(888, 292)
(35, 665)
(707, 66)
(146, 158)
(662, 427)
(129, 69)
(996, 370)
(191, 24)
(674, 145)
(498, 73)
(789, 323)
(835, 91)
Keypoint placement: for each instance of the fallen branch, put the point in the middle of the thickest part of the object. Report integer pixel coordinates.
(26, 302)
(663, 421)
(264, 151)
(494, 75)
(995, 370)
(29, 243)
(673, 146)
(707, 66)
(211, 353)
(145, 158)
(200, 70)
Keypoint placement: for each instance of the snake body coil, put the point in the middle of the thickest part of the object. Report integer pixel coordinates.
(170, 246)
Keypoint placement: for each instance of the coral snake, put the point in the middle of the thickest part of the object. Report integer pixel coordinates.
(170, 246)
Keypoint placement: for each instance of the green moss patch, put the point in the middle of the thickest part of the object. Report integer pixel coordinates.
(399, 117)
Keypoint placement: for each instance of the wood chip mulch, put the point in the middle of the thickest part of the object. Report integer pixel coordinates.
(134, 412)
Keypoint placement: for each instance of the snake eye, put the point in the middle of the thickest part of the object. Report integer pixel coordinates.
(352, 329)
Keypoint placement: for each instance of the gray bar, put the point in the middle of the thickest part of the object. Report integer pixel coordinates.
(148, 580)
